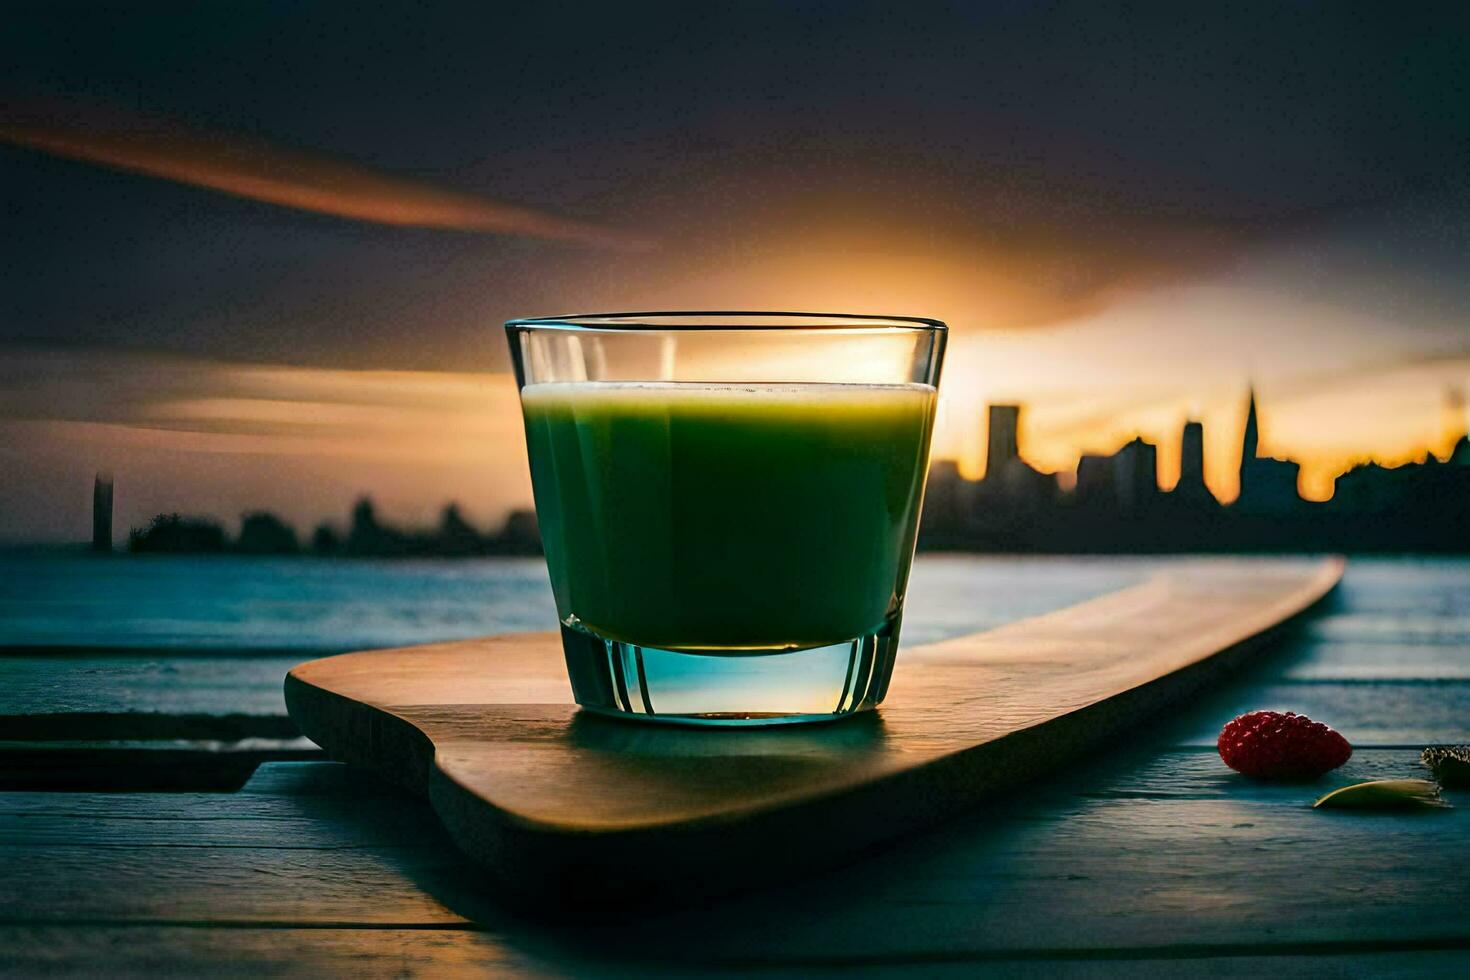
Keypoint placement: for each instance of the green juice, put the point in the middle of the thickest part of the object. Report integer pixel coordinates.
(728, 517)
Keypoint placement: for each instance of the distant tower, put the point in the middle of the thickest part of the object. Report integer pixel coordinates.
(1192, 461)
(1267, 485)
(1252, 446)
(1004, 421)
(1250, 449)
(1136, 473)
(102, 513)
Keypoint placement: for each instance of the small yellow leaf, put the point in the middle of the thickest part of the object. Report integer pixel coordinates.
(1384, 794)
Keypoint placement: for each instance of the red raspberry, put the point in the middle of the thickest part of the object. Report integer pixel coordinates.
(1273, 745)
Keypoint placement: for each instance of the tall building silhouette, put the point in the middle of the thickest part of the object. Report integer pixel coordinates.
(1008, 477)
(1003, 445)
(102, 513)
(1250, 447)
(1267, 485)
(1096, 480)
(1191, 484)
(1136, 474)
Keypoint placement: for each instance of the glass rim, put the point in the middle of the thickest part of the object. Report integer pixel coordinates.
(699, 320)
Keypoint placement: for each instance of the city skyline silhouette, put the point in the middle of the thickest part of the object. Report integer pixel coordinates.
(1115, 503)
(1112, 503)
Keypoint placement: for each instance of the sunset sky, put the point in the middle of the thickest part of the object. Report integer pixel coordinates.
(259, 255)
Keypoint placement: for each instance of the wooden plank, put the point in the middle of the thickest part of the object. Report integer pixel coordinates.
(320, 808)
(1368, 714)
(303, 844)
(566, 808)
(172, 951)
(141, 767)
(326, 809)
(87, 726)
(1398, 624)
(221, 884)
(1200, 775)
(1366, 660)
(131, 951)
(1122, 874)
(175, 683)
(142, 752)
(1090, 865)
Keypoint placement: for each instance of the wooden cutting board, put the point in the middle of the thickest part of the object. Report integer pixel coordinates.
(569, 810)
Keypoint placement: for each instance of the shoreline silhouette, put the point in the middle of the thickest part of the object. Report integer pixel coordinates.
(366, 536)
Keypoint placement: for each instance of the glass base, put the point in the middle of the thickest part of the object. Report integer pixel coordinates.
(752, 687)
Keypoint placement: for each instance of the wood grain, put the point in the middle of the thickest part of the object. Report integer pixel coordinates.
(1165, 836)
(1094, 866)
(191, 951)
(569, 810)
(169, 951)
(128, 951)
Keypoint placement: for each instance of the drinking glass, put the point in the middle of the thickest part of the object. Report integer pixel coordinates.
(728, 504)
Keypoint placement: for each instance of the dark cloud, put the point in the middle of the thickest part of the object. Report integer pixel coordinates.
(1054, 153)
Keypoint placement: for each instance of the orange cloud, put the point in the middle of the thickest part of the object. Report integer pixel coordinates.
(262, 171)
(219, 438)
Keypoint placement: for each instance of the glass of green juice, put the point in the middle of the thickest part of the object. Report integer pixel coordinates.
(728, 504)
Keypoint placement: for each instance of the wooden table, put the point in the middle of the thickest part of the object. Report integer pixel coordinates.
(1153, 858)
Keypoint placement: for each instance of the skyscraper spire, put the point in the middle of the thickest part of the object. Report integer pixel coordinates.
(1267, 485)
(1251, 449)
